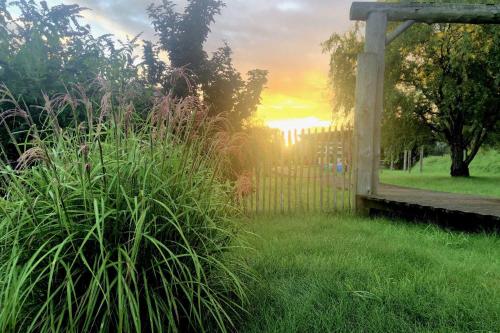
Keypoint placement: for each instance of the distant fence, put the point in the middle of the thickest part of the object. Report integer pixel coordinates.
(307, 171)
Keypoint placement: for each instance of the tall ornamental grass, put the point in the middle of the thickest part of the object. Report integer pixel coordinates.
(118, 225)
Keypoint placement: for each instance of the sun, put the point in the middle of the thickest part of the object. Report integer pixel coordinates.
(297, 124)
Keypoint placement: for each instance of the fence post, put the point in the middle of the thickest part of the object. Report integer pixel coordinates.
(301, 163)
(328, 171)
(289, 164)
(282, 173)
(257, 186)
(315, 170)
(309, 164)
(409, 160)
(405, 159)
(276, 159)
(421, 159)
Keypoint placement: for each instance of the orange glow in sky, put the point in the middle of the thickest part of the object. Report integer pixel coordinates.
(298, 103)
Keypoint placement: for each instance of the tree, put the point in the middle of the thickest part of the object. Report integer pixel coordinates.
(250, 96)
(343, 50)
(182, 36)
(452, 74)
(226, 92)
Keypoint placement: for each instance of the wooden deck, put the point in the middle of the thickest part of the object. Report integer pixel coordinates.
(457, 211)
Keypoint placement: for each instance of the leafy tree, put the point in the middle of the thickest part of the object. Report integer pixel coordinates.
(226, 92)
(344, 50)
(182, 36)
(451, 73)
(250, 96)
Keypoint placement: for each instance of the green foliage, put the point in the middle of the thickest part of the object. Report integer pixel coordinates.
(349, 274)
(46, 50)
(120, 225)
(344, 50)
(182, 36)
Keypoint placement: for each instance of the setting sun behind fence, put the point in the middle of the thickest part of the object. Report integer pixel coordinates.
(299, 124)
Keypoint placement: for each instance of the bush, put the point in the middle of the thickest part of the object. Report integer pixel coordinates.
(119, 226)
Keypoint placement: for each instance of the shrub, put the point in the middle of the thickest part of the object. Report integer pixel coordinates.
(119, 225)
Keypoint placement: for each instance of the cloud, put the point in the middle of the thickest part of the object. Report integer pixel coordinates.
(290, 6)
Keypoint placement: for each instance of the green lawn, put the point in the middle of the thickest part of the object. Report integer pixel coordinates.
(484, 180)
(350, 274)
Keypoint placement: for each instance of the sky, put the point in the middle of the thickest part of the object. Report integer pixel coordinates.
(281, 36)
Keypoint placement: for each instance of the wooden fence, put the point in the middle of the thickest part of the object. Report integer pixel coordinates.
(307, 171)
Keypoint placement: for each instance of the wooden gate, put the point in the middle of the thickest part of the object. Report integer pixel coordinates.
(307, 171)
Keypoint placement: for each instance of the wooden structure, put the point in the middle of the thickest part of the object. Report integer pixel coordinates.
(452, 210)
(307, 171)
(371, 68)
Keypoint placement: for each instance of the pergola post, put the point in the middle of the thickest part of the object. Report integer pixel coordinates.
(364, 125)
(369, 106)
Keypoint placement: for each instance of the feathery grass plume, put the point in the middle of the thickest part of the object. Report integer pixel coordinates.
(121, 233)
(244, 186)
(30, 156)
(16, 111)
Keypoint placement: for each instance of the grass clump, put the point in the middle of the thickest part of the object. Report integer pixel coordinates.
(119, 225)
(351, 274)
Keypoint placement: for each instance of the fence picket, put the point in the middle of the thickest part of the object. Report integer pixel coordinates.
(335, 164)
(315, 165)
(277, 147)
(263, 188)
(295, 170)
(289, 171)
(257, 184)
(282, 174)
(301, 168)
(328, 171)
(309, 164)
(349, 168)
(321, 168)
(270, 176)
(344, 163)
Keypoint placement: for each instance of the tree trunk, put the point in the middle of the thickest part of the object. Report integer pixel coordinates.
(459, 167)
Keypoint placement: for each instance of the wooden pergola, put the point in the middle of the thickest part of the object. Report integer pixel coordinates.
(371, 68)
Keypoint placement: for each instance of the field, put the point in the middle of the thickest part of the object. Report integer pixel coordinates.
(344, 273)
(484, 180)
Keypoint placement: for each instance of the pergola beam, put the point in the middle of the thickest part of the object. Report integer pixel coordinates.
(398, 31)
(429, 13)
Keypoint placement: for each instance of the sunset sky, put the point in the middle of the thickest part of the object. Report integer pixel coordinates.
(282, 36)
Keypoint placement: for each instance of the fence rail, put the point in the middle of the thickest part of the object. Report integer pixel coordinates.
(307, 171)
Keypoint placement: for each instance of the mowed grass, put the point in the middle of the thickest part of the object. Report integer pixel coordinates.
(484, 180)
(351, 274)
